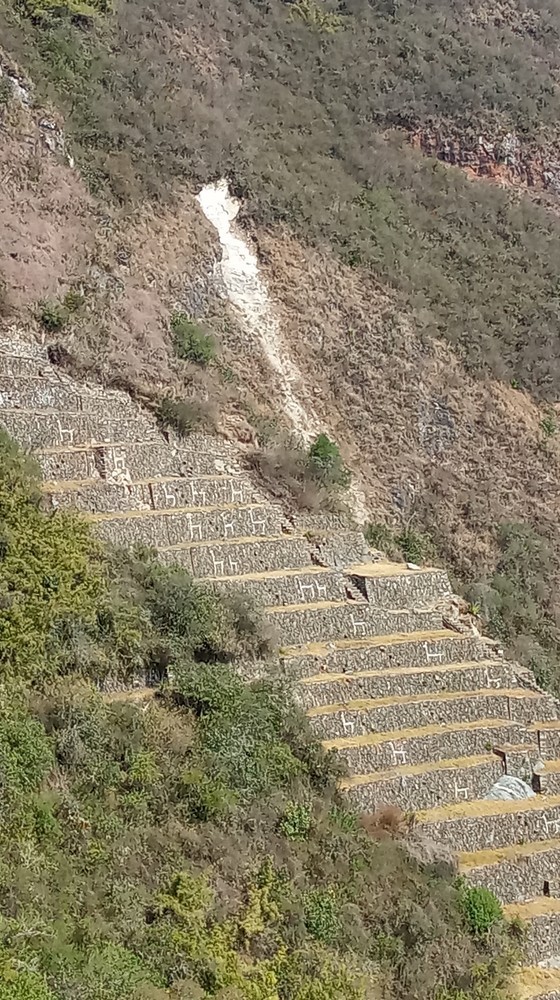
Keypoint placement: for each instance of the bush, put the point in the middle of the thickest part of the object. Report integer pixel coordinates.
(325, 463)
(191, 342)
(183, 416)
(406, 543)
(295, 824)
(322, 914)
(480, 908)
(314, 479)
(53, 316)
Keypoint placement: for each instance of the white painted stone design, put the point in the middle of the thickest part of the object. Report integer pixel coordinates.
(435, 654)
(198, 496)
(551, 827)
(237, 493)
(491, 682)
(170, 498)
(66, 433)
(258, 521)
(317, 590)
(461, 793)
(359, 626)
(399, 756)
(348, 725)
(217, 564)
(227, 521)
(195, 529)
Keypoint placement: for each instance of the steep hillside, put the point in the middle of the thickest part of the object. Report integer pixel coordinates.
(170, 832)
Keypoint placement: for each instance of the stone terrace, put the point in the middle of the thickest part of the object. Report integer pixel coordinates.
(423, 711)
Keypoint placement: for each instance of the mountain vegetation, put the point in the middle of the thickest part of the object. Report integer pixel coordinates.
(307, 107)
(187, 840)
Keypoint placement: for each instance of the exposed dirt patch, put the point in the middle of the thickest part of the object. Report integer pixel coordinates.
(47, 219)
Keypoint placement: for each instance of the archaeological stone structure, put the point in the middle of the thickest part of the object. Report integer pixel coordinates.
(425, 712)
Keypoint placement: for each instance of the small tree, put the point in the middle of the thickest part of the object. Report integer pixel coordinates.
(325, 463)
(190, 341)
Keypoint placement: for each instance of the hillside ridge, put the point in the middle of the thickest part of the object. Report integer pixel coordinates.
(425, 712)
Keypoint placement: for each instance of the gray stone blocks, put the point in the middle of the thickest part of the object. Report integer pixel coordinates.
(114, 496)
(512, 822)
(233, 557)
(39, 431)
(363, 754)
(427, 789)
(543, 937)
(403, 681)
(548, 739)
(414, 589)
(177, 527)
(402, 714)
(351, 620)
(424, 649)
(292, 588)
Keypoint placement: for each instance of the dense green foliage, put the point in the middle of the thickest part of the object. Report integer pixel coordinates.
(471, 261)
(186, 842)
(519, 601)
(401, 543)
(479, 907)
(190, 341)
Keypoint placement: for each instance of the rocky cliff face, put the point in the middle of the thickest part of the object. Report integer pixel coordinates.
(503, 158)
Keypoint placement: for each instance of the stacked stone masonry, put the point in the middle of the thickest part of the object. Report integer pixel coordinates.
(421, 709)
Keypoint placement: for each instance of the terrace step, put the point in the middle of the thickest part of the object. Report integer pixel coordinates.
(302, 623)
(328, 688)
(14, 366)
(60, 394)
(286, 586)
(48, 429)
(541, 917)
(536, 983)
(392, 585)
(516, 873)
(133, 461)
(163, 492)
(436, 647)
(370, 752)
(423, 786)
(547, 779)
(162, 528)
(475, 826)
(252, 553)
(407, 711)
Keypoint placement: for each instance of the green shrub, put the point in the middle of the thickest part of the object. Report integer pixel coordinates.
(379, 536)
(51, 572)
(416, 546)
(20, 985)
(314, 479)
(549, 425)
(480, 908)
(322, 914)
(190, 341)
(411, 545)
(53, 316)
(325, 463)
(295, 824)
